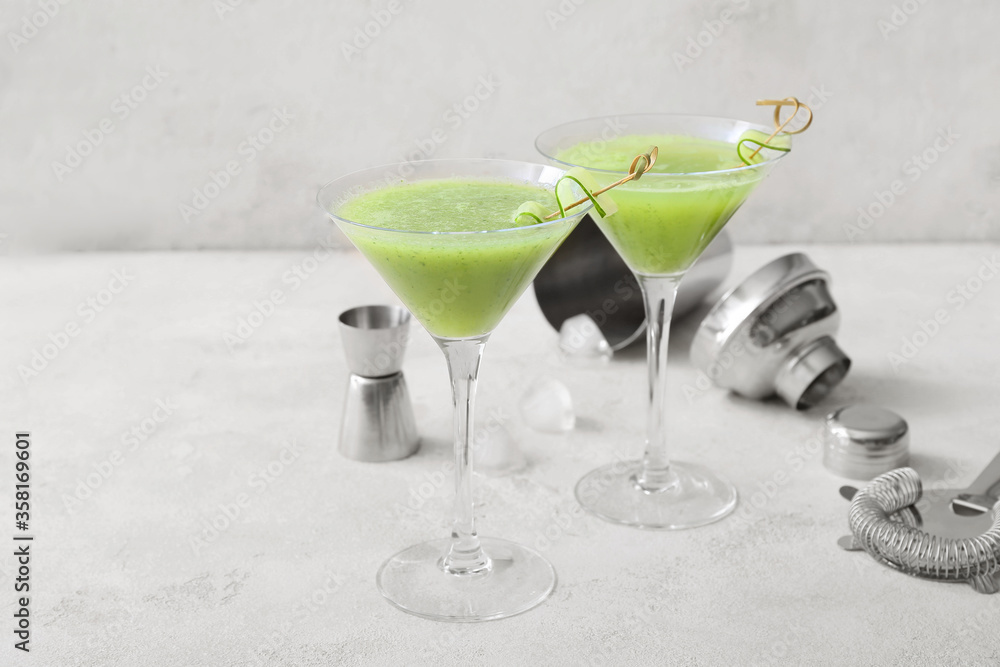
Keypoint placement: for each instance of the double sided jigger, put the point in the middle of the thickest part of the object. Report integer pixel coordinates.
(377, 422)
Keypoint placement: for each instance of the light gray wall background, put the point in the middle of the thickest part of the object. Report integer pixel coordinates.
(155, 97)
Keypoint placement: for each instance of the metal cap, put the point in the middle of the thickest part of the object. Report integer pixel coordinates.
(864, 441)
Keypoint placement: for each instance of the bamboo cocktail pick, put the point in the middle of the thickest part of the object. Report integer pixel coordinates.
(779, 125)
(635, 172)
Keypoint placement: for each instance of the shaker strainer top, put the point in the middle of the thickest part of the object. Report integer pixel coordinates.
(773, 334)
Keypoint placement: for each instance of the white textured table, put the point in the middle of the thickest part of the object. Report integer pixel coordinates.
(190, 508)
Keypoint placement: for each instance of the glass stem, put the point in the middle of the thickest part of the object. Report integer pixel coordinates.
(658, 293)
(465, 556)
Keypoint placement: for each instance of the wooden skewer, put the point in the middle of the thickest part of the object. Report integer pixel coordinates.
(648, 159)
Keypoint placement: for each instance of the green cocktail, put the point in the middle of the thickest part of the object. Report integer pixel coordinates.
(462, 285)
(663, 225)
(444, 238)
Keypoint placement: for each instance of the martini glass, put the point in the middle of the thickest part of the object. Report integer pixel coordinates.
(663, 223)
(459, 285)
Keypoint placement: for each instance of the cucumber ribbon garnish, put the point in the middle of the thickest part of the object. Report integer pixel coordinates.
(779, 126)
(531, 209)
(759, 143)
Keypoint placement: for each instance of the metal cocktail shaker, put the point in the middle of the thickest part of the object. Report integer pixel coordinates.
(377, 422)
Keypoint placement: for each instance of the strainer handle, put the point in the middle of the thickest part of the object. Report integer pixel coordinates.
(988, 482)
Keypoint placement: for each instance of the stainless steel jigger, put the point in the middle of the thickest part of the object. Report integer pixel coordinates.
(377, 423)
(773, 334)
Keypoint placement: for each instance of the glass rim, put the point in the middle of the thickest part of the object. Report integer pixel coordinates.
(675, 116)
(582, 209)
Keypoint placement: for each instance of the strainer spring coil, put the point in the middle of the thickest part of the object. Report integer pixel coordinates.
(974, 560)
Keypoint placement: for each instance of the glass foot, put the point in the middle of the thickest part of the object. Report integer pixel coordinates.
(694, 497)
(519, 579)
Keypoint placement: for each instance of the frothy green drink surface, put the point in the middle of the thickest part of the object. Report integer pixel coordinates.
(456, 285)
(667, 218)
(445, 205)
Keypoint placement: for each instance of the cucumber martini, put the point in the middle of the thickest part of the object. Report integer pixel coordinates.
(450, 241)
(662, 224)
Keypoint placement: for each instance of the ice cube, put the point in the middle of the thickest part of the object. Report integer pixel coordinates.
(580, 337)
(547, 406)
(495, 452)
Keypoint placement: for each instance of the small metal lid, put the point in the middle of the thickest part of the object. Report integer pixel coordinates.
(864, 441)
